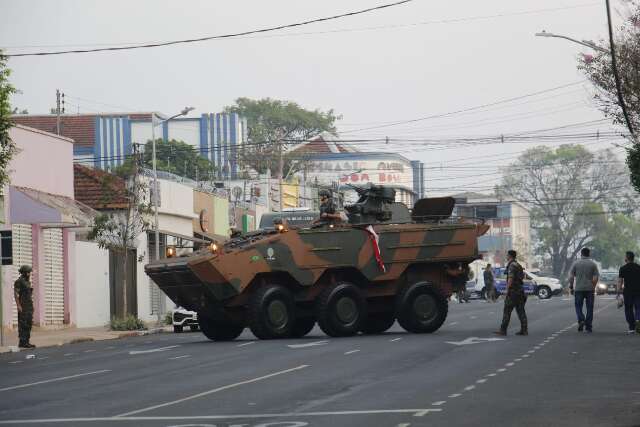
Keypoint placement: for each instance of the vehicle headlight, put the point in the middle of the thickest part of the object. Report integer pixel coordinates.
(213, 248)
(602, 286)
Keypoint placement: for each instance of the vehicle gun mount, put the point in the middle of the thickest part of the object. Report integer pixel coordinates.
(373, 205)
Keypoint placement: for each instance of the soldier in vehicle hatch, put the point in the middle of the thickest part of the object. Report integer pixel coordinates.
(24, 303)
(514, 296)
(328, 211)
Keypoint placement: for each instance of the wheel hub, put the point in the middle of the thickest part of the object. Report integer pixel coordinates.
(278, 314)
(346, 310)
(425, 307)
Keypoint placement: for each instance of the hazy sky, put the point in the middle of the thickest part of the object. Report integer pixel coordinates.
(457, 55)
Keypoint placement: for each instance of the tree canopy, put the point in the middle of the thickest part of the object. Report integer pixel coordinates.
(176, 157)
(271, 121)
(598, 69)
(571, 192)
(7, 147)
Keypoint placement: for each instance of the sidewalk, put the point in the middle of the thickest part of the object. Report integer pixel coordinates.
(42, 337)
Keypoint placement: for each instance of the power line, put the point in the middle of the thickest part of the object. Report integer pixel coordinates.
(223, 36)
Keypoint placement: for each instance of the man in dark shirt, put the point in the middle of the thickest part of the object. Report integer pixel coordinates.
(24, 304)
(515, 296)
(489, 284)
(629, 279)
(328, 212)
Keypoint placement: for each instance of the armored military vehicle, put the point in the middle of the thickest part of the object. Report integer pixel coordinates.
(385, 264)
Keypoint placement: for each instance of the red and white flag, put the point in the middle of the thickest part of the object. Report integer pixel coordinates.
(376, 247)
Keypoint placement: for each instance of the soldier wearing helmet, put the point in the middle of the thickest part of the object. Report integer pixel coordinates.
(328, 212)
(22, 291)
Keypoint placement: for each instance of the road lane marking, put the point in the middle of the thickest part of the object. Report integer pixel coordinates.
(482, 380)
(509, 364)
(453, 323)
(517, 360)
(110, 347)
(469, 388)
(501, 370)
(55, 380)
(215, 390)
(426, 411)
(439, 403)
(153, 350)
(474, 340)
(403, 425)
(246, 344)
(16, 361)
(351, 352)
(454, 395)
(311, 344)
(217, 417)
(180, 357)
(395, 339)
(493, 374)
(68, 354)
(89, 351)
(525, 355)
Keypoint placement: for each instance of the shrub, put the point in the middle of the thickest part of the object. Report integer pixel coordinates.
(128, 323)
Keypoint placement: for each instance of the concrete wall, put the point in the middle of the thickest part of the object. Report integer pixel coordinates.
(38, 163)
(92, 300)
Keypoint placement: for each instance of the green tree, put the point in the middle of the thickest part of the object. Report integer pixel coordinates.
(597, 67)
(7, 146)
(619, 234)
(569, 191)
(274, 125)
(176, 157)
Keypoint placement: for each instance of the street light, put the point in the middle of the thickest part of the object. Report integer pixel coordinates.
(184, 112)
(587, 43)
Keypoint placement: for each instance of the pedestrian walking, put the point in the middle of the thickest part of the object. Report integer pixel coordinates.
(514, 296)
(489, 284)
(629, 280)
(23, 291)
(459, 276)
(582, 283)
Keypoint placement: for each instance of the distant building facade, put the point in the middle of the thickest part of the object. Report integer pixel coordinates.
(105, 140)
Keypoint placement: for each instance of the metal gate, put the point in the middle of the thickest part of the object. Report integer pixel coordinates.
(22, 254)
(53, 277)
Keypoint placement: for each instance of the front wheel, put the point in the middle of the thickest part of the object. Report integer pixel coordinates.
(421, 309)
(218, 330)
(271, 312)
(341, 310)
(544, 292)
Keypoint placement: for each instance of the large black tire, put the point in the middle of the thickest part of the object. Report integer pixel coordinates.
(271, 312)
(544, 292)
(218, 330)
(303, 326)
(341, 310)
(420, 308)
(378, 323)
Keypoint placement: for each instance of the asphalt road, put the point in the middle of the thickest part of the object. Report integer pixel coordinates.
(462, 375)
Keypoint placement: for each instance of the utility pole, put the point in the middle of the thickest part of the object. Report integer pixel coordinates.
(57, 111)
(155, 188)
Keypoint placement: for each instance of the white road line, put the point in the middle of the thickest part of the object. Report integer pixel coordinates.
(439, 403)
(501, 370)
(246, 344)
(482, 380)
(525, 355)
(219, 417)
(153, 350)
(453, 323)
(351, 352)
(311, 344)
(54, 380)
(395, 339)
(469, 388)
(89, 351)
(531, 351)
(517, 360)
(493, 374)
(509, 364)
(403, 425)
(68, 354)
(16, 361)
(454, 395)
(180, 357)
(426, 411)
(215, 390)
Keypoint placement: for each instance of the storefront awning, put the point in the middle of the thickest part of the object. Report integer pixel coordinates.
(29, 206)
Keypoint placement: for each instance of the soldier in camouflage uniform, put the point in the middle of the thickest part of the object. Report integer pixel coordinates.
(24, 303)
(328, 211)
(514, 296)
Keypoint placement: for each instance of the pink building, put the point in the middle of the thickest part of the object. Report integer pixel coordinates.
(43, 217)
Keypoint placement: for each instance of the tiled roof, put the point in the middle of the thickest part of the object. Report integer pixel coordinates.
(323, 144)
(78, 128)
(98, 189)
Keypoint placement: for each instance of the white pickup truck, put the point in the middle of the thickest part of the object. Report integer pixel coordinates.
(544, 287)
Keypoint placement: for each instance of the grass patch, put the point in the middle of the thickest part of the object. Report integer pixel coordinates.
(128, 323)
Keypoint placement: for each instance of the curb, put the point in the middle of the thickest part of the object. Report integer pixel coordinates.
(153, 331)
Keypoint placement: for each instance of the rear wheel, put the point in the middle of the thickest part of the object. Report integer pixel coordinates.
(271, 312)
(421, 309)
(219, 330)
(303, 326)
(341, 310)
(378, 323)
(544, 292)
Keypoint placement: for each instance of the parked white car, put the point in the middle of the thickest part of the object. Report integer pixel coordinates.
(181, 318)
(545, 287)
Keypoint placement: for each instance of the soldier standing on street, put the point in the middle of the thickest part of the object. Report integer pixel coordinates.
(24, 303)
(514, 296)
(328, 212)
(489, 284)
